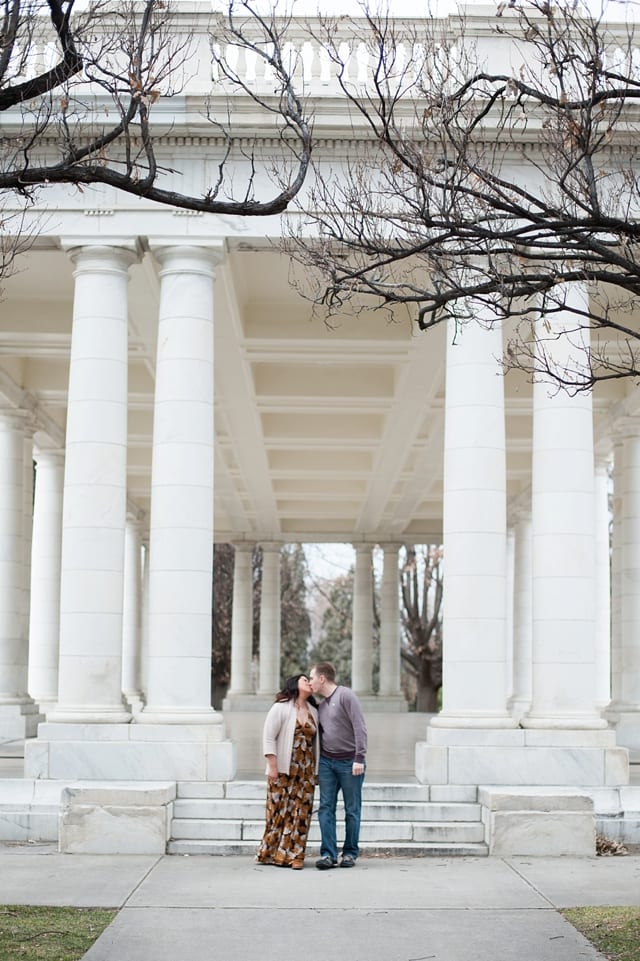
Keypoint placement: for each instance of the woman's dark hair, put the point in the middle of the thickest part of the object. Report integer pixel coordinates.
(290, 690)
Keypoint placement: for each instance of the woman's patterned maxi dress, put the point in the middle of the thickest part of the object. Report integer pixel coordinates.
(290, 803)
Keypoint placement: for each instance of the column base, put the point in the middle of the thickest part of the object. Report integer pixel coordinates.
(70, 714)
(560, 722)
(19, 721)
(518, 707)
(481, 720)
(174, 715)
(131, 752)
(521, 757)
(135, 702)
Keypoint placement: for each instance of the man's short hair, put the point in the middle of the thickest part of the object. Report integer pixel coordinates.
(326, 669)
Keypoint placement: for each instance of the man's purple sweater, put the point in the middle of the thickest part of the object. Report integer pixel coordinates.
(343, 732)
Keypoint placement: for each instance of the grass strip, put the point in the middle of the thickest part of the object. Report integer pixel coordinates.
(614, 931)
(29, 933)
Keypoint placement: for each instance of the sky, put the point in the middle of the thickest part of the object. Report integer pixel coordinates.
(329, 560)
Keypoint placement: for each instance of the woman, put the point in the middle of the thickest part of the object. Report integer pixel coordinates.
(291, 747)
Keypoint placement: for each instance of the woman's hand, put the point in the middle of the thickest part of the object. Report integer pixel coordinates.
(272, 767)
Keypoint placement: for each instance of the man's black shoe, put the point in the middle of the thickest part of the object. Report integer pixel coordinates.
(348, 862)
(325, 863)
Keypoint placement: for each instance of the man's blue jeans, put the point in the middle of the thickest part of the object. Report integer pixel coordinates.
(336, 776)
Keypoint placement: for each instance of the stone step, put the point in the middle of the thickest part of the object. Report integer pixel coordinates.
(374, 791)
(402, 819)
(375, 831)
(401, 849)
(219, 808)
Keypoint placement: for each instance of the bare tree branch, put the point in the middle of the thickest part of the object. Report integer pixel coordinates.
(486, 176)
(90, 117)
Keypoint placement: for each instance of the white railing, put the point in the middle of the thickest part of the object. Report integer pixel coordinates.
(317, 75)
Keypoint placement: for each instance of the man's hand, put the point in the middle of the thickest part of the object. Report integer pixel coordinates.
(358, 769)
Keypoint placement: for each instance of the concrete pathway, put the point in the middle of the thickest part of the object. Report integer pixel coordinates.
(231, 909)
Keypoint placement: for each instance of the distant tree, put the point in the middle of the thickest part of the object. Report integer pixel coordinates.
(334, 643)
(223, 561)
(295, 625)
(421, 582)
(336, 632)
(295, 630)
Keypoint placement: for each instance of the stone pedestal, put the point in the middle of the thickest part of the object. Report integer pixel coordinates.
(116, 818)
(521, 757)
(132, 752)
(552, 823)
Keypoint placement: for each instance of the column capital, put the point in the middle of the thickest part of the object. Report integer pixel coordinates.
(101, 257)
(188, 258)
(363, 548)
(271, 547)
(49, 456)
(243, 547)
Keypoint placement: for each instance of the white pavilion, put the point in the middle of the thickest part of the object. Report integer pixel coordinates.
(173, 390)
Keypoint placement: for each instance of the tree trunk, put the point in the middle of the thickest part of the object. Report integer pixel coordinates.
(427, 693)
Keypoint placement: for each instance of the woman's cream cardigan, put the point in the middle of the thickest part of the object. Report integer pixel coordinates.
(279, 728)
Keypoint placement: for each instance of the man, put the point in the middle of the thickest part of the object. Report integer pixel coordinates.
(343, 749)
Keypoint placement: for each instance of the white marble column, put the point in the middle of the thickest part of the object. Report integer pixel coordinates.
(181, 518)
(626, 703)
(270, 617)
(16, 707)
(563, 569)
(27, 528)
(522, 616)
(602, 584)
(241, 621)
(144, 617)
(509, 613)
(617, 539)
(561, 740)
(44, 619)
(132, 615)
(95, 489)
(390, 625)
(475, 532)
(362, 623)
